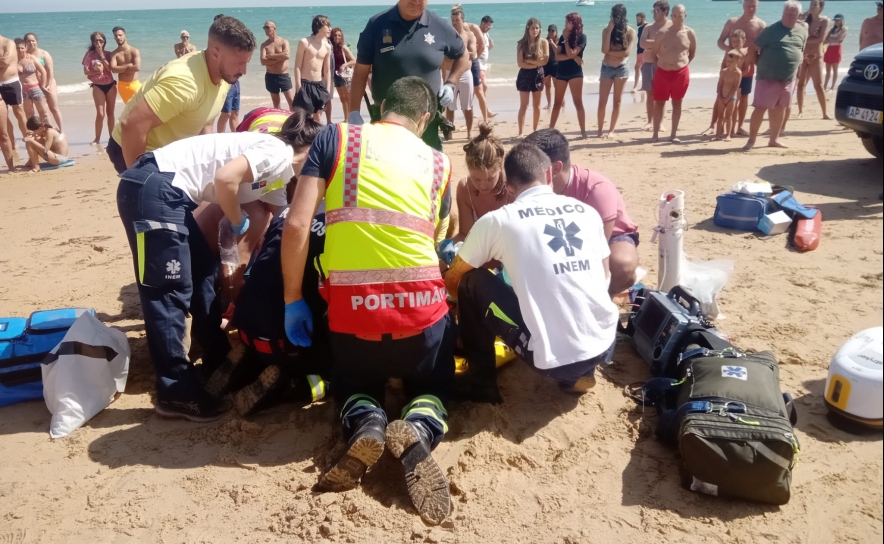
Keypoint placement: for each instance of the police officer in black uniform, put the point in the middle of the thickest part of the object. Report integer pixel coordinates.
(407, 40)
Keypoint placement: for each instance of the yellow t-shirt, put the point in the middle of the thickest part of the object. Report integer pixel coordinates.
(182, 95)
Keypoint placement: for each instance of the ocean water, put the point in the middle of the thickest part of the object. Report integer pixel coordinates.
(153, 32)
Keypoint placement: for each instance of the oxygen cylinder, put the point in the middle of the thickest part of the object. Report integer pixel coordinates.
(670, 239)
(808, 231)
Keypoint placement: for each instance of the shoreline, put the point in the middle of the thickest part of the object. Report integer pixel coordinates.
(79, 116)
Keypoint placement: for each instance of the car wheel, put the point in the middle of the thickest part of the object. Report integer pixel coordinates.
(874, 145)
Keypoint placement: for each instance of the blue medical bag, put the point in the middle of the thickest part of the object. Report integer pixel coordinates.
(741, 211)
(23, 345)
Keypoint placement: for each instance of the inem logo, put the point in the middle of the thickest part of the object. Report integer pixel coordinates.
(563, 237)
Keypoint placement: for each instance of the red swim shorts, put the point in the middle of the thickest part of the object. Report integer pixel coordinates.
(671, 84)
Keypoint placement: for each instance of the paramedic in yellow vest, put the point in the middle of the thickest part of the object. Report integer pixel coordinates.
(385, 192)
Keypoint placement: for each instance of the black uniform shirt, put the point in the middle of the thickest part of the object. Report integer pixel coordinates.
(396, 48)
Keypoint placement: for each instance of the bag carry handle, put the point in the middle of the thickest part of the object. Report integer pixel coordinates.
(680, 295)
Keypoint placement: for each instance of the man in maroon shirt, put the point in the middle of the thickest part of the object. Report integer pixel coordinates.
(597, 191)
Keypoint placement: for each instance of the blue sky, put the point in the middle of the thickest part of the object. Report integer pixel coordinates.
(100, 5)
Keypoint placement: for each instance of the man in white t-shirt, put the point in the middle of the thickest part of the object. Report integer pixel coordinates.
(557, 315)
(174, 266)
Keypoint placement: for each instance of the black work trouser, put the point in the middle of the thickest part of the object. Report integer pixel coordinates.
(489, 308)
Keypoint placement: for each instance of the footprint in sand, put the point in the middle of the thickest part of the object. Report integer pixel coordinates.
(16, 536)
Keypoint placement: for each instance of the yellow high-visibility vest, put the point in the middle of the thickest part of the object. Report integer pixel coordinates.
(380, 271)
(265, 120)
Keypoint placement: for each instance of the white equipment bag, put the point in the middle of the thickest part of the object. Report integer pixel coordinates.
(82, 375)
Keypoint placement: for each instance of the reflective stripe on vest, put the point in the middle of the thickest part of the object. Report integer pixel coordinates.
(380, 267)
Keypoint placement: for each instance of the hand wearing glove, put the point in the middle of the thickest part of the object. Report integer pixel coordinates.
(298, 323)
(446, 251)
(446, 95)
(355, 118)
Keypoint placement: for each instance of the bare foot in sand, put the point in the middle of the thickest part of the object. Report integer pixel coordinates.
(708, 131)
(675, 140)
(777, 144)
(826, 117)
(491, 115)
(727, 138)
(741, 133)
(648, 127)
(749, 145)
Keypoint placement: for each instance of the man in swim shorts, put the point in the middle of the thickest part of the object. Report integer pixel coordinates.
(313, 69)
(673, 50)
(275, 54)
(230, 111)
(649, 35)
(126, 62)
(751, 26)
(463, 92)
(10, 95)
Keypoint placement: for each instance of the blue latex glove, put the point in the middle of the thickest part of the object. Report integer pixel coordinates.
(446, 251)
(355, 118)
(298, 323)
(242, 227)
(446, 95)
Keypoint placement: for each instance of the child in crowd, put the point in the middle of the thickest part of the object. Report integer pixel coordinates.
(46, 142)
(728, 87)
(737, 42)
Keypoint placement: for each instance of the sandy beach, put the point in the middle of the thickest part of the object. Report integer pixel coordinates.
(540, 468)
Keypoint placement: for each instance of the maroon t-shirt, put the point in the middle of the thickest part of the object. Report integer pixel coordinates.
(597, 191)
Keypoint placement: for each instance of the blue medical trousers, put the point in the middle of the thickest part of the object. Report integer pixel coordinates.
(175, 274)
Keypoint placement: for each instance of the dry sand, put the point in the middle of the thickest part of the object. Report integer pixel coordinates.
(542, 467)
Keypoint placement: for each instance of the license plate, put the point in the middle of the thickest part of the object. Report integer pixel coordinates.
(862, 114)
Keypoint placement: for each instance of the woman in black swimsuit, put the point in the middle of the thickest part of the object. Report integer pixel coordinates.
(569, 72)
(96, 66)
(531, 56)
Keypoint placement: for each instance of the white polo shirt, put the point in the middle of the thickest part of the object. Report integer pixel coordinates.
(196, 160)
(552, 247)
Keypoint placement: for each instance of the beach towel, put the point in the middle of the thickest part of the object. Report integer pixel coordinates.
(47, 166)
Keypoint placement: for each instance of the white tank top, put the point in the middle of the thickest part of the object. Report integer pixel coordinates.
(483, 58)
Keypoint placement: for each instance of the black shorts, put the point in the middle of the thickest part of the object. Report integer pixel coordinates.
(476, 70)
(277, 83)
(11, 93)
(312, 97)
(339, 81)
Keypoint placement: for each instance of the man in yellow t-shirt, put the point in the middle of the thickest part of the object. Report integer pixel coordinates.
(182, 98)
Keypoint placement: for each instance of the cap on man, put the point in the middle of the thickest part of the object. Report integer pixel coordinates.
(385, 193)
(182, 98)
(597, 191)
(407, 40)
(557, 315)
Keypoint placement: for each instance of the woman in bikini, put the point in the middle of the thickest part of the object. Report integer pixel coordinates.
(617, 40)
(33, 81)
(45, 59)
(96, 66)
(43, 141)
(832, 58)
(344, 63)
(484, 188)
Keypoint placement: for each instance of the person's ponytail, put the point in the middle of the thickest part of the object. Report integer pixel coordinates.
(299, 130)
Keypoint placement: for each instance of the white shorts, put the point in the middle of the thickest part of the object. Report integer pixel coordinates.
(463, 94)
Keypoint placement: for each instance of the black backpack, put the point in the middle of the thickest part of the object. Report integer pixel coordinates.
(730, 421)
